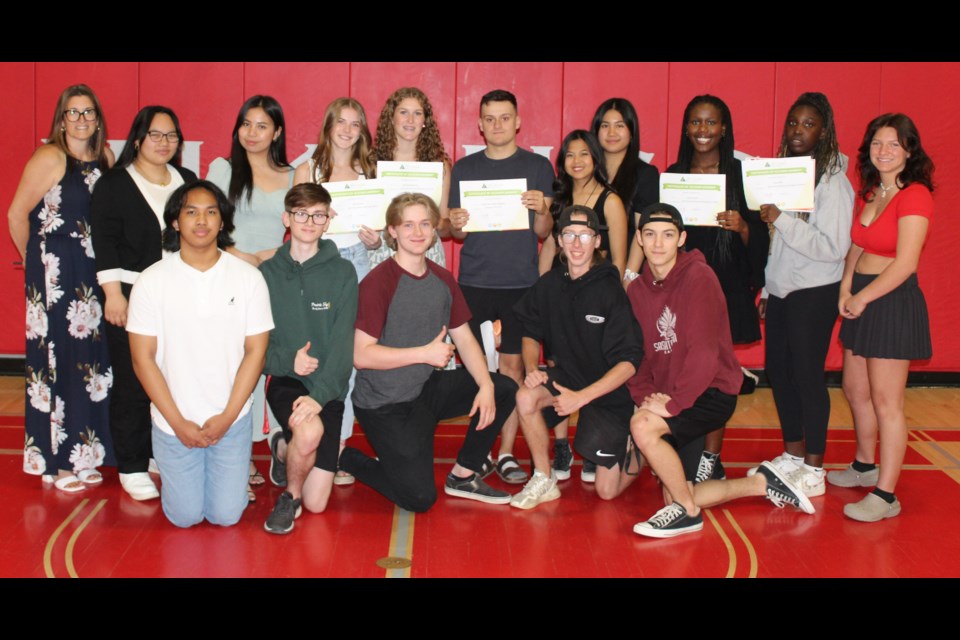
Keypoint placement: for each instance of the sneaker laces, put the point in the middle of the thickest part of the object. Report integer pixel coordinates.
(537, 485)
(705, 469)
(668, 514)
(781, 498)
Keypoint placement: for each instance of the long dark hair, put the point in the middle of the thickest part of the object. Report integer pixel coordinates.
(241, 174)
(138, 133)
(563, 185)
(919, 167)
(826, 153)
(171, 212)
(625, 182)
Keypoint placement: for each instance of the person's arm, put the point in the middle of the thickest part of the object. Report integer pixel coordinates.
(476, 363)
(846, 282)
(634, 254)
(254, 354)
(44, 170)
(911, 233)
(369, 354)
(547, 253)
(302, 173)
(542, 220)
(252, 259)
(381, 253)
(570, 401)
(530, 354)
(143, 351)
(457, 215)
(107, 234)
(444, 227)
(829, 239)
(616, 217)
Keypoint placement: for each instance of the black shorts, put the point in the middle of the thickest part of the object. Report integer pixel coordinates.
(709, 412)
(281, 394)
(602, 430)
(496, 304)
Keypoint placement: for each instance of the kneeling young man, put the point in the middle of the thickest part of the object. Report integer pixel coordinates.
(407, 307)
(311, 352)
(687, 384)
(199, 324)
(581, 310)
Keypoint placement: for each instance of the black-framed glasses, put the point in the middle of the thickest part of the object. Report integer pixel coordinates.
(585, 238)
(303, 215)
(172, 136)
(73, 115)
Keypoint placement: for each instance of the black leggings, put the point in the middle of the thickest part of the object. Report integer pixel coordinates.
(130, 421)
(798, 338)
(402, 436)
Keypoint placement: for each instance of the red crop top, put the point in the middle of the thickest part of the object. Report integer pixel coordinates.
(880, 237)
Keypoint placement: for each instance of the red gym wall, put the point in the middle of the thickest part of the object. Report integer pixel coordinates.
(554, 99)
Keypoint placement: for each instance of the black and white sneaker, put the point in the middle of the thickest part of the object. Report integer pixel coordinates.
(284, 513)
(278, 468)
(562, 459)
(670, 521)
(710, 468)
(589, 472)
(782, 491)
(474, 488)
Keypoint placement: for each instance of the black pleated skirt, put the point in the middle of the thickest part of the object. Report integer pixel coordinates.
(894, 326)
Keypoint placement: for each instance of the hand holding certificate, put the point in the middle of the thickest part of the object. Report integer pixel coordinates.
(357, 203)
(411, 177)
(698, 197)
(494, 205)
(786, 182)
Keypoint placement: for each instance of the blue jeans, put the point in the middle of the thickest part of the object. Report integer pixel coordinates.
(357, 256)
(206, 483)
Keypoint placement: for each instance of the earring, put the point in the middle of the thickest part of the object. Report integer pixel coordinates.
(62, 128)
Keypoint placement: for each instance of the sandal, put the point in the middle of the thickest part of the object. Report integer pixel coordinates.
(256, 478)
(342, 478)
(488, 467)
(90, 477)
(510, 471)
(69, 484)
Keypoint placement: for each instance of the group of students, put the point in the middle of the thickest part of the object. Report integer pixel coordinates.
(637, 313)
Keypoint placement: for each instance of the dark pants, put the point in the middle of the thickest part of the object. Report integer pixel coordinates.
(798, 338)
(402, 436)
(129, 406)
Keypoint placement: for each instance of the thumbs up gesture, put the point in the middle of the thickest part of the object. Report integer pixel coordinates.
(437, 352)
(305, 364)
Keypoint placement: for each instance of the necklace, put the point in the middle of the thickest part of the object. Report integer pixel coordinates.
(587, 199)
(162, 183)
(884, 190)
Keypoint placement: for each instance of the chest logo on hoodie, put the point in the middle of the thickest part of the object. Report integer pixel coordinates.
(667, 327)
(320, 306)
(594, 319)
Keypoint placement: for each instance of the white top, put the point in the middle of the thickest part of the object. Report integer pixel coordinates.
(200, 320)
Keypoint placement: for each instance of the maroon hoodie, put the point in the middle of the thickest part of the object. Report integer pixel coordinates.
(687, 331)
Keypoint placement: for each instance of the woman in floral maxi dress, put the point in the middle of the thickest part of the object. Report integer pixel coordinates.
(68, 375)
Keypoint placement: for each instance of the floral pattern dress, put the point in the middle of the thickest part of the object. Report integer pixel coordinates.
(68, 369)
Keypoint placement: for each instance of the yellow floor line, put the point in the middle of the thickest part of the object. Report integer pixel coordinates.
(746, 542)
(48, 550)
(731, 552)
(68, 554)
(401, 541)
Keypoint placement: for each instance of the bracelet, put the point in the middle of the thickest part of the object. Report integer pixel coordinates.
(629, 275)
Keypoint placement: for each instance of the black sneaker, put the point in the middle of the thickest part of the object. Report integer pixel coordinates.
(278, 468)
(719, 473)
(562, 459)
(589, 472)
(710, 468)
(474, 488)
(284, 513)
(670, 521)
(781, 491)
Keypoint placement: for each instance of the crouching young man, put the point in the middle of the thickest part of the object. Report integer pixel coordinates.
(311, 352)
(199, 324)
(687, 384)
(581, 310)
(408, 305)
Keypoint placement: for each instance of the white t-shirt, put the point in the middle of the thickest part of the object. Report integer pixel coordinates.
(200, 320)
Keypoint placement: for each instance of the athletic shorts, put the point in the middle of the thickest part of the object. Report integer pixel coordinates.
(496, 304)
(281, 394)
(709, 412)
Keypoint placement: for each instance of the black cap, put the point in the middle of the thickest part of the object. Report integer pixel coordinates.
(661, 212)
(592, 221)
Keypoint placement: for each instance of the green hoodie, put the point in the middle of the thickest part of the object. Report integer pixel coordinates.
(317, 302)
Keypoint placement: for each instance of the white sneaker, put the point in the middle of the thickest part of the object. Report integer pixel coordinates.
(782, 463)
(540, 488)
(139, 486)
(812, 484)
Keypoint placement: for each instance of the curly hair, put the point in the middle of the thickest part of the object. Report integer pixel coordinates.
(826, 153)
(429, 145)
(362, 153)
(58, 135)
(919, 166)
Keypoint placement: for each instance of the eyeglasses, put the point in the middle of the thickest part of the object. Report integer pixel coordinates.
(303, 215)
(73, 115)
(570, 236)
(172, 136)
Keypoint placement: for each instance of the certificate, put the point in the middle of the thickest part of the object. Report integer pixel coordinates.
(785, 182)
(494, 205)
(411, 177)
(698, 197)
(357, 203)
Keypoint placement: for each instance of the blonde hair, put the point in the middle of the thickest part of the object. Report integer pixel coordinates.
(398, 205)
(362, 150)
